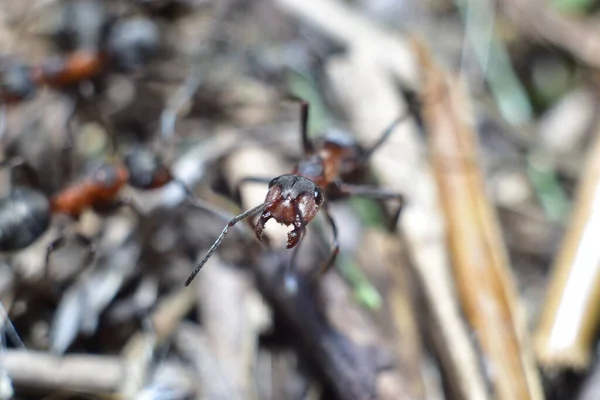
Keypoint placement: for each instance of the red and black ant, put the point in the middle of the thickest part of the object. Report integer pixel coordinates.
(25, 213)
(93, 41)
(296, 198)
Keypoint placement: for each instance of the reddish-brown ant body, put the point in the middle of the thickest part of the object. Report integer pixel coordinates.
(296, 198)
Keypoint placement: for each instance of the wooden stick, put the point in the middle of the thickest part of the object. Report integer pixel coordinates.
(87, 373)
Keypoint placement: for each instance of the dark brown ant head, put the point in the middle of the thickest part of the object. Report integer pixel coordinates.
(24, 217)
(291, 200)
(132, 43)
(16, 82)
(146, 170)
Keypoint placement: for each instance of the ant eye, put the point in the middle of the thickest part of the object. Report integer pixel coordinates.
(318, 197)
(273, 182)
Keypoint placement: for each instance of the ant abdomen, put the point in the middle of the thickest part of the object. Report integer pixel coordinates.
(24, 217)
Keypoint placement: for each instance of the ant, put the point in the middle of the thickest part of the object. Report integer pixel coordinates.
(93, 41)
(296, 198)
(25, 213)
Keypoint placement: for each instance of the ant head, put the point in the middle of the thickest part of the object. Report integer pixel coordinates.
(292, 200)
(132, 42)
(16, 82)
(146, 170)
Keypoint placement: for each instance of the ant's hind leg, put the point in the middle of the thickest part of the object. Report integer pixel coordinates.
(379, 194)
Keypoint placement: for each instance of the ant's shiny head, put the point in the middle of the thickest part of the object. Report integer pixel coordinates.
(292, 200)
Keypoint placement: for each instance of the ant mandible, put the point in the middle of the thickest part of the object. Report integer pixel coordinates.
(296, 198)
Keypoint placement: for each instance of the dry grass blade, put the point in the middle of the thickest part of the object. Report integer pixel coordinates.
(481, 267)
(566, 332)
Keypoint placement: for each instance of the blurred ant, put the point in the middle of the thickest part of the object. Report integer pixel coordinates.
(295, 199)
(141, 169)
(94, 43)
(25, 213)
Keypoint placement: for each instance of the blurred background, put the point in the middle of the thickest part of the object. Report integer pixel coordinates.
(487, 288)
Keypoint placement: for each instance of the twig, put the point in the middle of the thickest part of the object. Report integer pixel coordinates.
(88, 373)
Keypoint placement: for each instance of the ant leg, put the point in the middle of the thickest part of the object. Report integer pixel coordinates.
(52, 246)
(290, 282)
(335, 246)
(384, 136)
(376, 193)
(87, 242)
(307, 144)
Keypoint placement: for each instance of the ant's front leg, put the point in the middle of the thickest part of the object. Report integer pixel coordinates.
(375, 193)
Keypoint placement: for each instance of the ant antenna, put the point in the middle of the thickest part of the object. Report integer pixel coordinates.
(258, 209)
